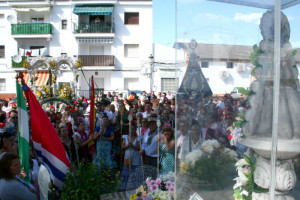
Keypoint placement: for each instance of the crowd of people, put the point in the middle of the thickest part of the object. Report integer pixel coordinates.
(130, 134)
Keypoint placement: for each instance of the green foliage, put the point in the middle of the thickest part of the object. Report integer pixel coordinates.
(244, 91)
(294, 52)
(87, 181)
(251, 186)
(254, 54)
(252, 72)
(237, 194)
(214, 170)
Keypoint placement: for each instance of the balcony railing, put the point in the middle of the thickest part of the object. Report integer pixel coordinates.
(97, 60)
(107, 27)
(42, 28)
(14, 64)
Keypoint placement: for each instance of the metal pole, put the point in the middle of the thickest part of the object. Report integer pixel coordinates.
(276, 93)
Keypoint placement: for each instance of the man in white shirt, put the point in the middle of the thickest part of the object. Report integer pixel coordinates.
(182, 144)
(149, 143)
(169, 95)
(148, 111)
(143, 98)
(112, 113)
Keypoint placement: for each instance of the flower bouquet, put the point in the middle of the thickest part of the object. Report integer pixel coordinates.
(43, 93)
(26, 63)
(65, 92)
(52, 64)
(211, 166)
(245, 184)
(79, 63)
(154, 190)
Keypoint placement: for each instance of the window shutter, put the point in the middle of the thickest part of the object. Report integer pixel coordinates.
(131, 18)
(2, 52)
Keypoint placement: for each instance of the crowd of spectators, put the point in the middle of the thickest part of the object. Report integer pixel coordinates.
(129, 133)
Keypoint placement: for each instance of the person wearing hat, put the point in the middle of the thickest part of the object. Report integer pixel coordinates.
(149, 142)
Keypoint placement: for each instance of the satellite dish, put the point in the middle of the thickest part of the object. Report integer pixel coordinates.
(17, 58)
(11, 18)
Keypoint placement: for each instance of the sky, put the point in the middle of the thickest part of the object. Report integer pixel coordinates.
(213, 23)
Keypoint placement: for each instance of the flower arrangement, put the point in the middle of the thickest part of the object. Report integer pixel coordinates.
(235, 131)
(154, 190)
(52, 64)
(245, 184)
(79, 63)
(65, 92)
(43, 93)
(77, 77)
(210, 165)
(25, 63)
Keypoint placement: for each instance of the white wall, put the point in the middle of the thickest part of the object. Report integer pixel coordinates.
(235, 79)
(133, 34)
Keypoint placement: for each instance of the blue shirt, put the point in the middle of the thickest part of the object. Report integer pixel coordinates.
(107, 132)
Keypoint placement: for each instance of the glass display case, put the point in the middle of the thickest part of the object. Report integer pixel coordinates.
(242, 146)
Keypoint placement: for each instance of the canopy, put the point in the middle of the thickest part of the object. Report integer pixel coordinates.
(93, 10)
(42, 78)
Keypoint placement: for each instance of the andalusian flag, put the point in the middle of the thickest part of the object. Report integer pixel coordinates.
(23, 132)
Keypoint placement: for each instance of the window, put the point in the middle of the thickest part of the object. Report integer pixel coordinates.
(204, 64)
(229, 65)
(2, 20)
(131, 84)
(132, 18)
(2, 84)
(169, 84)
(37, 20)
(64, 24)
(2, 51)
(36, 47)
(131, 50)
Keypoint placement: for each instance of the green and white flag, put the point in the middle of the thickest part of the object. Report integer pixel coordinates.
(23, 132)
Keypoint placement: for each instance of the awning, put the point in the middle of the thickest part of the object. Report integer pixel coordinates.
(42, 78)
(23, 9)
(93, 10)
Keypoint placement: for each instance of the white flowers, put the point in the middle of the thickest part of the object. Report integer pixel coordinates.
(209, 145)
(244, 169)
(236, 135)
(232, 154)
(192, 157)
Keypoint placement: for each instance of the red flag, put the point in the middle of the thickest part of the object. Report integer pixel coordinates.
(92, 114)
(92, 106)
(46, 142)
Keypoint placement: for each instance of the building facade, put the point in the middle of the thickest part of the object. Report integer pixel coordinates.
(112, 38)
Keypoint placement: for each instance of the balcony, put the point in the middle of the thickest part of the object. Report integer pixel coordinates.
(17, 65)
(32, 30)
(94, 32)
(91, 61)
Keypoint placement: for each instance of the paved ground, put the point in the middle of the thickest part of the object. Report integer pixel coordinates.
(117, 196)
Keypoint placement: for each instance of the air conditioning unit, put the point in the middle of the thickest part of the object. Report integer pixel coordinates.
(240, 67)
(224, 74)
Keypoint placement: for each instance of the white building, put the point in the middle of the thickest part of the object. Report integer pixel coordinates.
(112, 37)
(225, 66)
